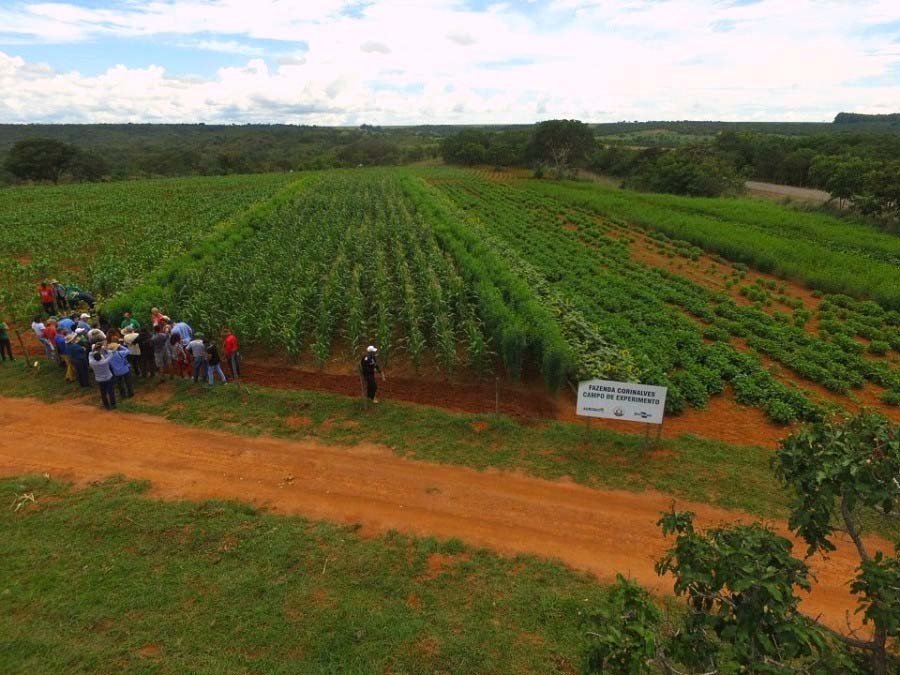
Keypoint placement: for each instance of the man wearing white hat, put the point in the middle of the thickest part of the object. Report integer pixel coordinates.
(369, 366)
(83, 322)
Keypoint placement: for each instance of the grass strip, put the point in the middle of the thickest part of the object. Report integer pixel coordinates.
(104, 579)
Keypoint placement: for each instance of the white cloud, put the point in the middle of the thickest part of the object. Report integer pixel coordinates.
(434, 61)
(375, 47)
(227, 47)
(461, 38)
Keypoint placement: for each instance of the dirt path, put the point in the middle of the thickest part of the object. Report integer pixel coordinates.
(776, 191)
(602, 532)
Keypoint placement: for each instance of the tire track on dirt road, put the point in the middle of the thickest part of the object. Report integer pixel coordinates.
(599, 531)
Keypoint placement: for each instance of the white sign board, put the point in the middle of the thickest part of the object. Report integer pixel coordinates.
(621, 401)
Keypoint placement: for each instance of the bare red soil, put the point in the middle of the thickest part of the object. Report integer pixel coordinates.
(724, 419)
(599, 531)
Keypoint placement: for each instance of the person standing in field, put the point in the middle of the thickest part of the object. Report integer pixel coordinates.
(66, 324)
(96, 336)
(79, 357)
(162, 353)
(128, 320)
(81, 337)
(48, 297)
(183, 331)
(39, 329)
(213, 362)
(59, 291)
(232, 355)
(369, 366)
(50, 330)
(83, 322)
(118, 363)
(59, 343)
(181, 361)
(148, 359)
(134, 349)
(197, 350)
(5, 344)
(62, 348)
(100, 364)
(157, 317)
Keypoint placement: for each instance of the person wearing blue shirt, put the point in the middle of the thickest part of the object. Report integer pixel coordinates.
(83, 322)
(99, 363)
(65, 324)
(118, 362)
(77, 354)
(183, 331)
(60, 343)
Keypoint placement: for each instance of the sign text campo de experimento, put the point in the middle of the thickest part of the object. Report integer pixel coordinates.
(621, 401)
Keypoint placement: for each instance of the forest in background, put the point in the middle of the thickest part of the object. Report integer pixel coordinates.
(856, 158)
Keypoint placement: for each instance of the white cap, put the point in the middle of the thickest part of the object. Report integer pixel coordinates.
(85, 316)
(371, 349)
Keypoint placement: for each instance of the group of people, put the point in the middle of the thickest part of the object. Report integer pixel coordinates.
(56, 297)
(86, 345)
(117, 355)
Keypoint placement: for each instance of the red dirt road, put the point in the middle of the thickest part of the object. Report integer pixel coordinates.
(602, 532)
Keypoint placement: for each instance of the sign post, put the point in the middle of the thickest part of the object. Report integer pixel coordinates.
(627, 401)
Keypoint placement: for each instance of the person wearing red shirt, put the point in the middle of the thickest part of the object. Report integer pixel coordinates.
(48, 339)
(48, 297)
(230, 349)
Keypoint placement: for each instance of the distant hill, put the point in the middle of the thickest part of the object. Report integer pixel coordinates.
(891, 119)
(180, 149)
(843, 122)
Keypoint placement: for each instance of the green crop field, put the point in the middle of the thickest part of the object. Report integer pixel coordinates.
(485, 276)
(460, 276)
(109, 236)
(827, 253)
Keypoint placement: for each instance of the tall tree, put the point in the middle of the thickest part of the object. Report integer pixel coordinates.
(836, 469)
(562, 144)
(740, 581)
(40, 159)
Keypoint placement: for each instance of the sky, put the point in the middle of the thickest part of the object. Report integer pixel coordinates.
(391, 62)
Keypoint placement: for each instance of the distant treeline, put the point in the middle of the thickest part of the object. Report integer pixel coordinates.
(890, 119)
(689, 171)
(856, 161)
(862, 168)
(856, 158)
(876, 123)
(130, 150)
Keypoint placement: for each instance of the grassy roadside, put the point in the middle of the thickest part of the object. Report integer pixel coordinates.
(104, 580)
(732, 477)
